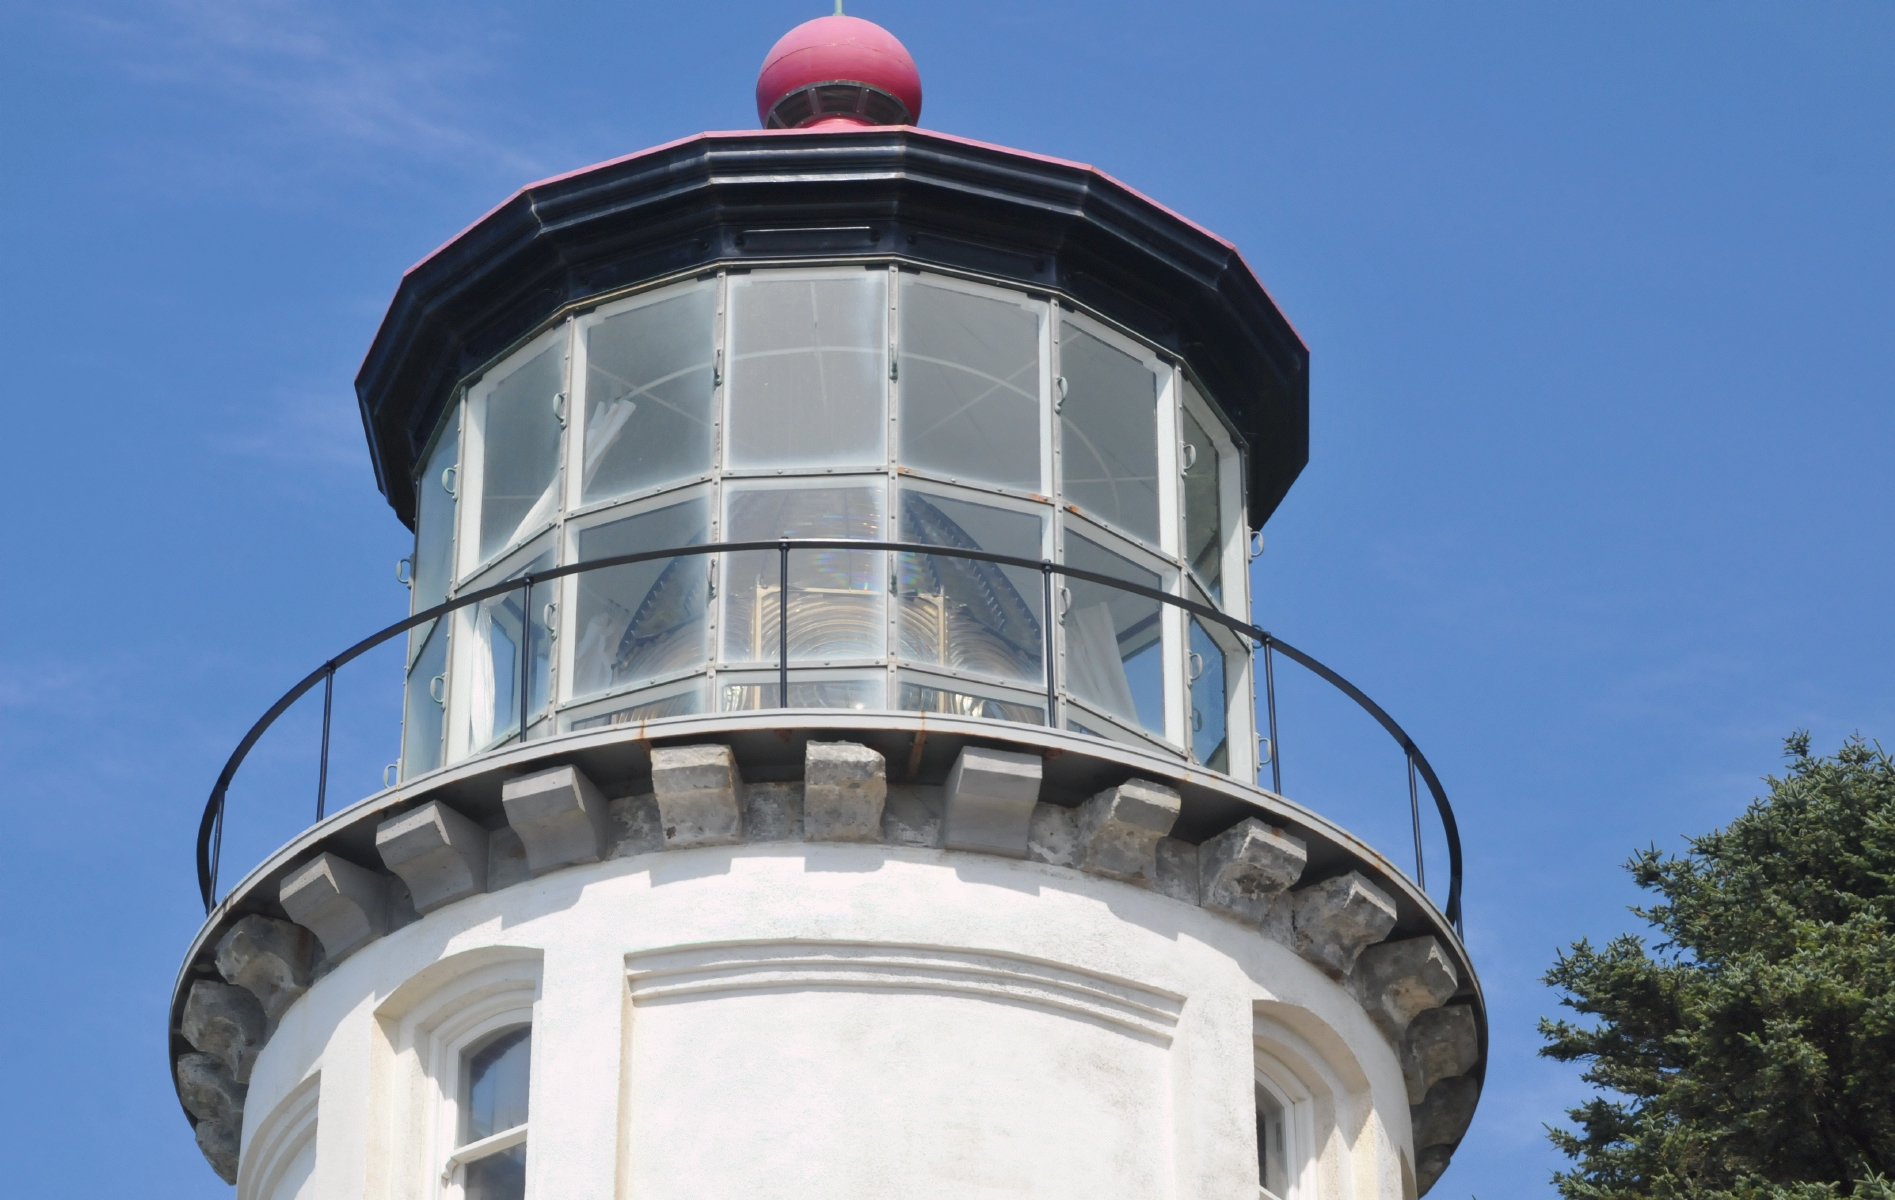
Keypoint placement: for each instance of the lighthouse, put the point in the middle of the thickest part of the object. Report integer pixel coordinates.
(837, 756)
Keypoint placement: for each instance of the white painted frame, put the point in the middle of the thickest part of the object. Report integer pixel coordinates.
(1173, 396)
(429, 1023)
(282, 1136)
(470, 481)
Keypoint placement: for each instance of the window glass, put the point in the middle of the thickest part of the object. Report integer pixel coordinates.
(805, 693)
(434, 523)
(494, 1101)
(519, 489)
(649, 385)
(1109, 433)
(679, 704)
(963, 613)
(1210, 726)
(808, 369)
(919, 697)
(1114, 660)
(646, 619)
(1272, 1147)
(496, 1084)
(835, 606)
(500, 1176)
(494, 630)
(970, 385)
(1203, 531)
(423, 715)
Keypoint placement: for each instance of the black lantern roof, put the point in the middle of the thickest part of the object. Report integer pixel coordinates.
(880, 193)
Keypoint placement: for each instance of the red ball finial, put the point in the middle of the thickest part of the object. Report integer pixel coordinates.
(838, 71)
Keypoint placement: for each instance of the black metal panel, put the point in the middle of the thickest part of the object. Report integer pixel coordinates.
(872, 193)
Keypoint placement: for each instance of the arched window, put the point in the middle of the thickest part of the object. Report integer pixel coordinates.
(1286, 1132)
(490, 1158)
(1273, 1142)
(454, 1063)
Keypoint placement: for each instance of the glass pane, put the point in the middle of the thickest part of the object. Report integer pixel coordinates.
(496, 1084)
(1210, 725)
(964, 613)
(1203, 532)
(647, 619)
(1108, 423)
(519, 490)
(809, 693)
(808, 370)
(1114, 656)
(835, 608)
(434, 525)
(649, 385)
(1272, 1153)
(499, 1176)
(919, 697)
(423, 714)
(679, 704)
(494, 630)
(970, 385)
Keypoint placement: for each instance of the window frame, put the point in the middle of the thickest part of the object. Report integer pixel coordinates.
(280, 1138)
(459, 747)
(1171, 739)
(877, 483)
(471, 478)
(1164, 404)
(1039, 509)
(1230, 516)
(1176, 391)
(461, 1155)
(727, 397)
(1019, 297)
(566, 649)
(579, 382)
(1297, 1105)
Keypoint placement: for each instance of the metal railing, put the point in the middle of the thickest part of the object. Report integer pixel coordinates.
(210, 829)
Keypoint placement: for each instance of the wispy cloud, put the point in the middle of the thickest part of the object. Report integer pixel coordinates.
(343, 78)
(317, 428)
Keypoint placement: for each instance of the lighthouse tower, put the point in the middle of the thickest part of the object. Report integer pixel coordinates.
(830, 756)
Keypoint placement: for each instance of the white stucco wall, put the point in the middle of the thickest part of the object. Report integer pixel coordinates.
(839, 1020)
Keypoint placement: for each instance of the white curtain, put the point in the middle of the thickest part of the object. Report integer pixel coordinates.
(480, 700)
(1094, 670)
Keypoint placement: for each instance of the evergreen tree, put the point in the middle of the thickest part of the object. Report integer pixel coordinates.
(1749, 1052)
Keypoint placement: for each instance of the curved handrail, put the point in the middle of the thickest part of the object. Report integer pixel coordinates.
(209, 839)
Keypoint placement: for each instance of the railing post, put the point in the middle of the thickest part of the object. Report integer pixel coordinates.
(322, 773)
(217, 847)
(1276, 747)
(783, 625)
(1046, 619)
(526, 652)
(1414, 814)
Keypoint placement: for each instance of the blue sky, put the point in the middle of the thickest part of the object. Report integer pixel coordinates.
(1599, 500)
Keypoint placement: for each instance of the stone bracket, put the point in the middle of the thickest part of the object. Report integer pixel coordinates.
(440, 854)
(990, 796)
(1396, 981)
(844, 788)
(562, 819)
(344, 905)
(1118, 830)
(697, 788)
(270, 959)
(1332, 922)
(1244, 869)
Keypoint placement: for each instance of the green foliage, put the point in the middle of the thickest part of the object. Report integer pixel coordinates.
(1750, 1053)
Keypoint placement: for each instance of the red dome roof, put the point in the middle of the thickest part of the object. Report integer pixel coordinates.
(839, 49)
